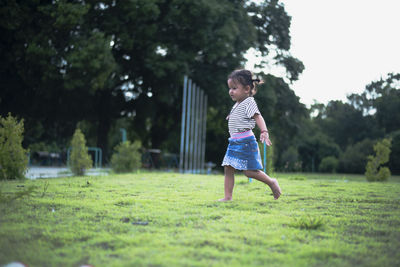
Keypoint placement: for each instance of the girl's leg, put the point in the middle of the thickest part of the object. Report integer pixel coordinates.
(229, 183)
(263, 177)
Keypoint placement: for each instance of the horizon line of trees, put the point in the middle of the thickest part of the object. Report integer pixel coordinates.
(102, 66)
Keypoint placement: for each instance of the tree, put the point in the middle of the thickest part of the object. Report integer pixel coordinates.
(345, 124)
(13, 157)
(316, 147)
(283, 113)
(374, 170)
(328, 164)
(54, 65)
(80, 160)
(100, 61)
(382, 99)
(355, 156)
(394, 161)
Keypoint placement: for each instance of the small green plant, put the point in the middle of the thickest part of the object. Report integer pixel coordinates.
(329, 164)
(80, 160)
(374, 170)
(13, 157)
(127, 157)
(45, 187)
(308, 222)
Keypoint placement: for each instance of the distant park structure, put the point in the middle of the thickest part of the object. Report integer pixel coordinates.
(193, 128)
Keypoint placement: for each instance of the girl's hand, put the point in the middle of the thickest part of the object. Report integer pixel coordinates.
(264, 138)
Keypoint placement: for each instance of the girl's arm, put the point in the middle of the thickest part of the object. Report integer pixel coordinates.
(264, 136)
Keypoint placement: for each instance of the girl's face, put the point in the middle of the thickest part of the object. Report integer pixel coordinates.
(237, 91)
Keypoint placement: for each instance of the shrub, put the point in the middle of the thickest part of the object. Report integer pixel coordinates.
(126, 157)
(329, 164)
(394, 161)
(80, 160)
(355, 157)
(13, 157)
(374, 170)
(290, 157)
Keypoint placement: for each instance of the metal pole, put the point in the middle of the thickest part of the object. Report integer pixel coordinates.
(265, 157)
(123, 132)
(186, 165)
(183, 124)
(191, 149)
(196, 132)
(200, 137)
(101, 156)
(68, 156)
(96, 158)
(203, 149)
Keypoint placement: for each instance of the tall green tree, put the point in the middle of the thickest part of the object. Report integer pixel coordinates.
(72, 61)
(345, 124)
(55, 65)
(381, 99)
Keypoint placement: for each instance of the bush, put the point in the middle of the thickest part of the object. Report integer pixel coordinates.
(374, 170)
(126, 157)
(394, 161)
(80, 160)
(290, 157)
(13, 157)
(329, 164)
(354, 158)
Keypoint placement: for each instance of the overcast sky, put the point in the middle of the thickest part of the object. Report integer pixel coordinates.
(344, 45)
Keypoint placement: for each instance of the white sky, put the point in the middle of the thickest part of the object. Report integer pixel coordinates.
(344, 45)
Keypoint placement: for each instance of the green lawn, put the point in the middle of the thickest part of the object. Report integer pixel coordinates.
(169, 219)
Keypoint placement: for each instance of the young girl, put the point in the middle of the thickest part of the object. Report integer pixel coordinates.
(243, 153)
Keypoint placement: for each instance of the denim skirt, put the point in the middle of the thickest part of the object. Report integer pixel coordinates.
(243, 154)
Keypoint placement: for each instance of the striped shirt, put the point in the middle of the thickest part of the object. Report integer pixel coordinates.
(241, 117)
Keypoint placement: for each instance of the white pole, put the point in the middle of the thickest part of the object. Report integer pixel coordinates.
(196, 133)
(181, 154)
(192, 120)
(204, 121)
(186, 165)
(201, 118)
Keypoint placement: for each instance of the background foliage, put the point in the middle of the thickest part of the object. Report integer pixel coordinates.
(126, 157)
(80, 160)
(108, 65)
(13, 157)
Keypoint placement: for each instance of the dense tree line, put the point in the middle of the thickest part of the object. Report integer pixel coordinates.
(102, 66)
(348, 131)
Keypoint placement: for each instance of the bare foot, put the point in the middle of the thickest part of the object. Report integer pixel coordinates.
(276, 190)
(225, 199)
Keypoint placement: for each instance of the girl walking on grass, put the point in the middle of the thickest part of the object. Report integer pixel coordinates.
(243, 153)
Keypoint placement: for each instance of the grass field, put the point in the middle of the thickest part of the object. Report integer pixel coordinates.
(169, 219)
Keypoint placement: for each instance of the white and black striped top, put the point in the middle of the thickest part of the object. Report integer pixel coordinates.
(241, 116)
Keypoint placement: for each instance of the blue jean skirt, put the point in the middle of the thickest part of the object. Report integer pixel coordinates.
(243, 154)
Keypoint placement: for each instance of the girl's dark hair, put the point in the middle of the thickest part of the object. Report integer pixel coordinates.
(245, 77)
